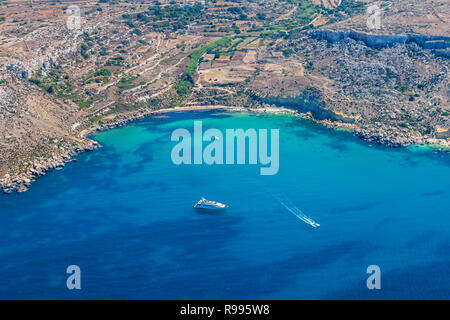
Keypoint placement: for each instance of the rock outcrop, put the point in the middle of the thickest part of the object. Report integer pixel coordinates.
(442, 133)
(383, 40)
(310, 101)
(20, 183)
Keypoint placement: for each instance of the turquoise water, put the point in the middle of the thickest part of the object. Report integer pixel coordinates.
(124, 215)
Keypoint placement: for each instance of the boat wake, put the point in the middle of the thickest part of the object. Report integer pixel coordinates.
(296, 211)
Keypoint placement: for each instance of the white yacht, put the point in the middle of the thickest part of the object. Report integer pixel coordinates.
(204, 204)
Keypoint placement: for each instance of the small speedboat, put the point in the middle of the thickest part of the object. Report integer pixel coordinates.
(207, 205)
(310, 222)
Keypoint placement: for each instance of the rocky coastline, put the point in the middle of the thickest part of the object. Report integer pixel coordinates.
(40, 166)
(21, 182)
(382, 137)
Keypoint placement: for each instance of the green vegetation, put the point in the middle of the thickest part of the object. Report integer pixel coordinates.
(195, 56)
(58, 84)
(122, 107)
(115, 61)
(103, 51)
(185, 84)
(349, 7)
(126, 84)
(102, 72)
(164, 18)
(81, 103)
(403, 88)
(101, 75)
(288, 52)
(305, 11)
(83, 50)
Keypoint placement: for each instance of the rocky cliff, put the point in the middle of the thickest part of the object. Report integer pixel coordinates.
(310, 101)
(384, 40)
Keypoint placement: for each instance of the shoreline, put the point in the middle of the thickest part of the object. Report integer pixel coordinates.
(138, 115)
(21, 182)
(39, 167)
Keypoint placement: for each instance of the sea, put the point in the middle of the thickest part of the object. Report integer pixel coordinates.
(123, 214)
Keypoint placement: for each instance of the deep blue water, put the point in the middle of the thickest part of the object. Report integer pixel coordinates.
(124, 215)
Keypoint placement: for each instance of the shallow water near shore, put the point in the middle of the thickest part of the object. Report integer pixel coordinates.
(124, 214)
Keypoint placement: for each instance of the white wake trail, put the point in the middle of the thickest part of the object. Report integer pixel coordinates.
(297, 212)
